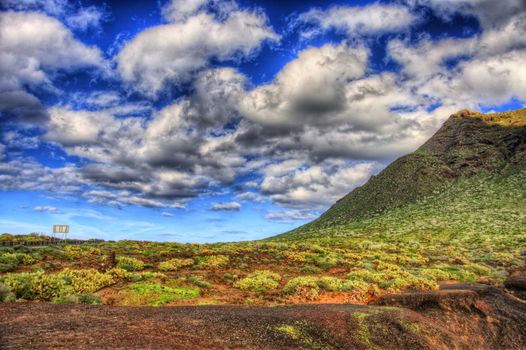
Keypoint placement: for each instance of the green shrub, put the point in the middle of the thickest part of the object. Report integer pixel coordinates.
(86, 281)
(36, 285)
(129, 264)
(306, 286)
(119, 274)
(8, 267)
(310, 286)
(259, 281)
(214, 261)
(19, 258)
(200, 283)
(145, 276)
(89, 299)
(6, 295)
(435, 274)
(175, 264)
(326, 262)
(10, 261)
(364, 275)
(310, 269)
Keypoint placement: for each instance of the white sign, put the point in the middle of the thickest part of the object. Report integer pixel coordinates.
(60, 228)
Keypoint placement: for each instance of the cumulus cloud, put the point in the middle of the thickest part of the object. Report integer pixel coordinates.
(290, 215)
(296, 98)
(28, 175)
(52, 7)
(21, 105)
(227, 206)
(46, 209)
(72, 13)
(323, 125)
(483, 69)
(86, 18)
(33, 48)
(293, 184)
(357, 20)
(18, 139)
(166, 214)
(250, 197)
(34, 45)
(171, 53)
(180, 10)
(488, 13)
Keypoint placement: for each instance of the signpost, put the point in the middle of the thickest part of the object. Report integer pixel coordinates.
(61, 229)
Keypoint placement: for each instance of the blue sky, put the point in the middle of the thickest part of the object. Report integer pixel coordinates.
(220, 120)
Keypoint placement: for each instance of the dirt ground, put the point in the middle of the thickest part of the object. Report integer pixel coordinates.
(456, 317)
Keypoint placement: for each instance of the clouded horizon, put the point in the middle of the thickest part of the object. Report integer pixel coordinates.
(219, 120)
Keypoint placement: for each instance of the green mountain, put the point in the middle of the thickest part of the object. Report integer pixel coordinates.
(471, 175)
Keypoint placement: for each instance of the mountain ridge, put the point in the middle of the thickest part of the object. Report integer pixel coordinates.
(468, 144)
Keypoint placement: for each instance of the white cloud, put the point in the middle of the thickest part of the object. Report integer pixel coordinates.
(485, 69)
(296, 98)
(357, 20)
(250, 197)
(18, 140)
(21, 104)
(180, 10)
(86, 18)
(72, 13)
(102, 98)
(487, 11)
(52, 7)
(289, 215)
(171, 53)
(228, 206)
(166, 214)
(46, 209)
(34, 45)
(305, 138)
(314, 186)
(28, 175)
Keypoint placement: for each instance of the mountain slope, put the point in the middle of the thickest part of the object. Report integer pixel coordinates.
(472, 155)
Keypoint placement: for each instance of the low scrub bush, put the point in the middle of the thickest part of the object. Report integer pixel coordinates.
(6, 295)
(214, 261)
(36, 285)
(129, 264)
(310, 269)
(10, 261)
(175, 264)
(259, 281)
(309, 287)
(89, 299)
(86, 281)
(119, 274)
(200, 283)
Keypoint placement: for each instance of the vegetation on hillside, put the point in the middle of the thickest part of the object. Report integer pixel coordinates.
(468, 144)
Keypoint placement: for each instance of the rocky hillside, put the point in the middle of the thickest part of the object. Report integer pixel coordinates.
(469, 149)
